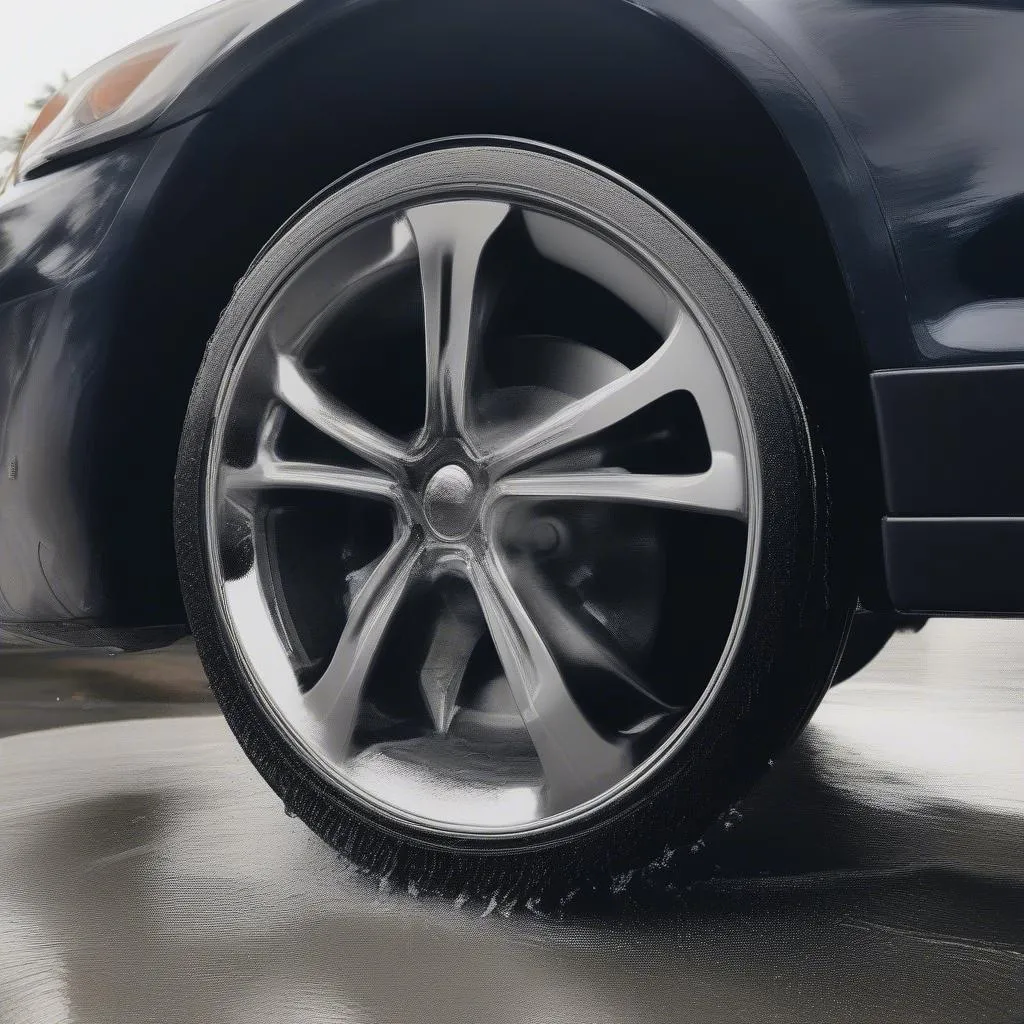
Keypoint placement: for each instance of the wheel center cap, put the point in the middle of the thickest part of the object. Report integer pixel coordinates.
(450, 502)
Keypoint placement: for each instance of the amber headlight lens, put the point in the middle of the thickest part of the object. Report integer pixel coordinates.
(129, 90)
(114, 87)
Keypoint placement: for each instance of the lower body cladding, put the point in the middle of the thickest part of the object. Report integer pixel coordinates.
(952, 441)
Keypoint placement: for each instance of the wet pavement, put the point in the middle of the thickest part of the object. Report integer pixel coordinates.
(148, 874)
(43, 689)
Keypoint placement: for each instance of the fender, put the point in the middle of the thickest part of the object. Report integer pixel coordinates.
(769, 59)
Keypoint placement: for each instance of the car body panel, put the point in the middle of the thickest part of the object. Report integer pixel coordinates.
(906, 119)
(64, 241)
(53, 294)
(933, 93)
(741, 37)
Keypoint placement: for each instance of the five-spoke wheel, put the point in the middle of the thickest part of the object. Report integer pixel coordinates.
(478, 502)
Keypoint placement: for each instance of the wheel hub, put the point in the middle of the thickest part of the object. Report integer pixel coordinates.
(451, 502)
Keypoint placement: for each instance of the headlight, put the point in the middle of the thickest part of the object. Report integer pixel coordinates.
(131, 89)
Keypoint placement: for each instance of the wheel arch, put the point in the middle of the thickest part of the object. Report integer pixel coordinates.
(689, 102)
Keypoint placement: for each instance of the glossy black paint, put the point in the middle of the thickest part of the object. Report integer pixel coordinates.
(906, 119)
(768, 58)
(934, 96)
(55, 287)
(65, 243)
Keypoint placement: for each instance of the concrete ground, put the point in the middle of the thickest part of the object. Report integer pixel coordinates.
(148, 874)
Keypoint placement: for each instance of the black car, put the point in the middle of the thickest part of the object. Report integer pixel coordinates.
(519, 399)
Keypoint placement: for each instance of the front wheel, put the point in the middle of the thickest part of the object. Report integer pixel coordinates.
(500, 524)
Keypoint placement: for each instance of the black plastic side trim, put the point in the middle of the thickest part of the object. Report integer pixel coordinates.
(959, 566)
(952, 440)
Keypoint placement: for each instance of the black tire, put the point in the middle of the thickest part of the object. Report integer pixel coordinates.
(802, 593)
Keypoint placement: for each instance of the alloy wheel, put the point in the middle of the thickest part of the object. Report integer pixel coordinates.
(468, 617)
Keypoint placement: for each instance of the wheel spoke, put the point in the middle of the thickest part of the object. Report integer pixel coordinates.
(683, 362)
(248, 604)
(719, 490)
(578, 644)
(578, 763)
(268, 473)
(456, 632)
(300, 393)
(450, 238)
(337, 695)
(333, 278)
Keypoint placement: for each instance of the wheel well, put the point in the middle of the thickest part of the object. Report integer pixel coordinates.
(603, 79)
